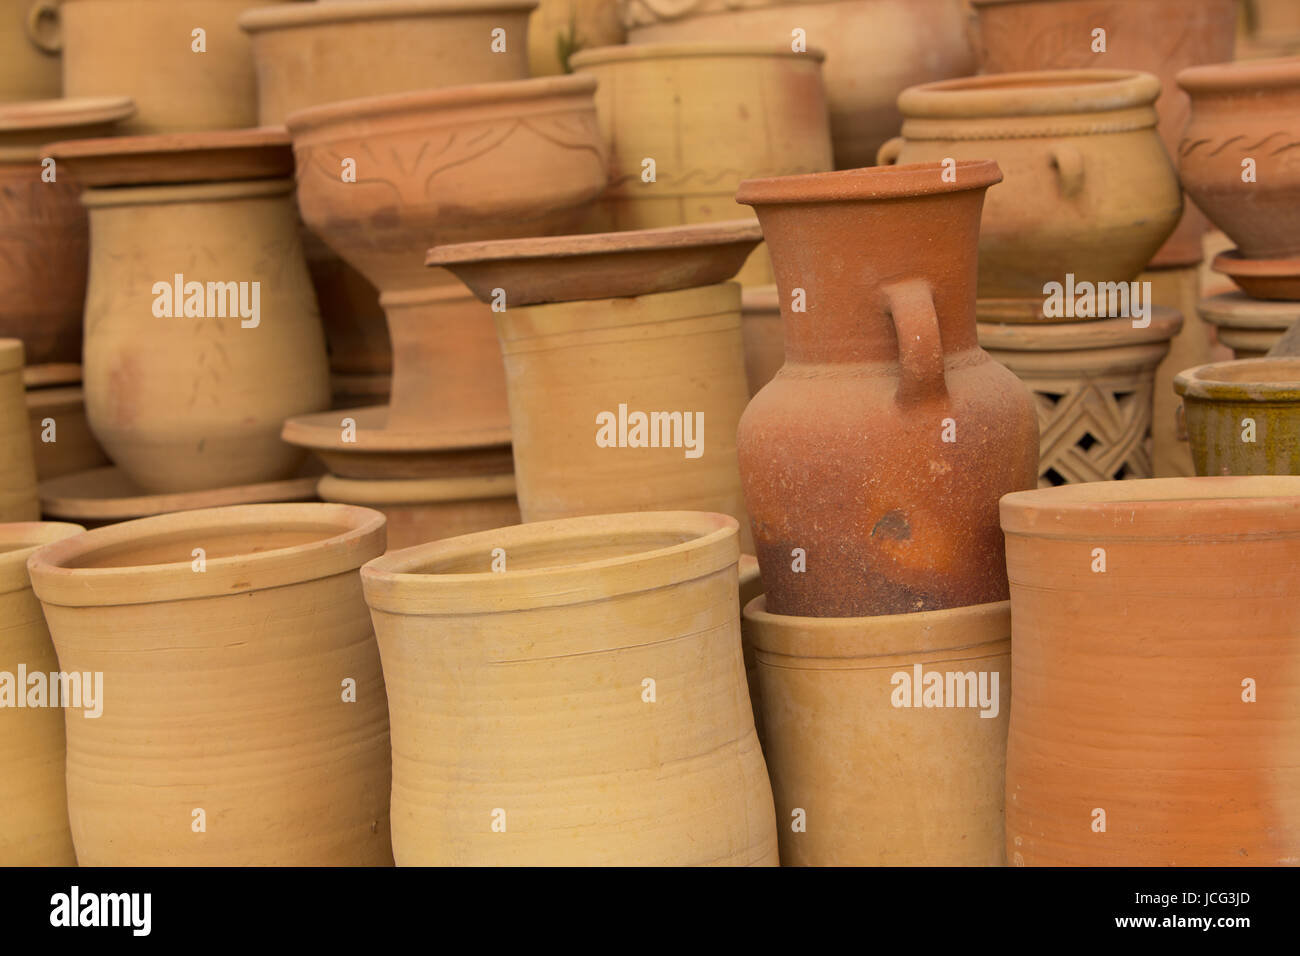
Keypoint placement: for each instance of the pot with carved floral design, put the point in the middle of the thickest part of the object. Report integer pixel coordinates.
(677, 153)
(29, 50)
(874, 50)
(1155, 36)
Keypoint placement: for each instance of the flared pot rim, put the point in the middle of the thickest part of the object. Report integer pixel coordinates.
(1033, 93)
(870, 182)
(1243, 380)
(290, 15)
(709, 49)
(1240, 76)
(19, 540)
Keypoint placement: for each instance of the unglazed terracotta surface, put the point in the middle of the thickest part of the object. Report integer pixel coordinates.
(1139, 735)
(29, 50)
(1249, 327)
(1270, 279)
(17, 466)
(572, 693)
(859, 504)
(34, 825)
(1243, 417)
(1155, 36)
(224, 691)
(876, 775)
(875, 48)
(1090, 190)
(62, 442)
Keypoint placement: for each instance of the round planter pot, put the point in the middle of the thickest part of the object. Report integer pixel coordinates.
(1094, 385)
(875, 49)
(572, 693)
(18, 500)
(29, 50)
(1243, 417)
(1249, 327)
(227, 737)
(1155, 654)
(760, 324)
(872, 463)
(886, 736)
(421, 510)
(34, 826)
(1155, 36)
(708, 115)
(1090, 193)
(62, 442)
(558, 29)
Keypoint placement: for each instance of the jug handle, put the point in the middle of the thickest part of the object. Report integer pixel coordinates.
(38, 12)
(887, 155)
(1068, 163)
(920, 349)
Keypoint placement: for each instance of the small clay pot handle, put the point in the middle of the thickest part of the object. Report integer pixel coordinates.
(887, 155)
(920, 349)
(1068, 162)
(39, 11)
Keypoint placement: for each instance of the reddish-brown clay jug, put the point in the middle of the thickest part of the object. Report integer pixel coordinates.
(873, 462)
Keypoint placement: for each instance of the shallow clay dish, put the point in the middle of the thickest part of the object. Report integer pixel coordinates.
(1270, 279)
(32, 123)
(210, 156)
(601, 265)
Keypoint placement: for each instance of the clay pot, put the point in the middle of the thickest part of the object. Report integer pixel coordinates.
(226, 691)
(1240, 112)
(599, 329)
(559, 28)
(751, 586)
(760, 322)
(441, 166)
(145, 49)
(62, 442)
(34, 826)
(1139, 735)
(43, 231)
(764, 114)
(582, 704)
(1154, 36)
(872, 463)
(1274, 22)
(1243, 417)
(203, 406)
(420, 510)
(870, 766)
(1090, 190)
(1093, 384)
(875, 49)
(1249, 327)
(17, 466)
(29, 50)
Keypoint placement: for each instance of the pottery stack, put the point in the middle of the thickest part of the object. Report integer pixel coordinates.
(1237, 160)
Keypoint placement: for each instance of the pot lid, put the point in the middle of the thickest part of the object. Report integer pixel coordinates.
(1246, 76)
(603, 265)
(199, 157)
(289, 16)
(53, 115)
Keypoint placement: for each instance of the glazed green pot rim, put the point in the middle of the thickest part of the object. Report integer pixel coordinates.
(19, 540)
(641, 52)
(1215, 382)
(399, 583)
(869, 183)
(1040, 94)
(290, 16)
(350, 536)
(1240, 76)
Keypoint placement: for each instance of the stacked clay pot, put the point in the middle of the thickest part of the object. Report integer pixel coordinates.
(18, 501)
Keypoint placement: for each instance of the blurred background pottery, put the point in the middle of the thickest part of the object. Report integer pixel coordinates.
(29, 50)
(17, 466)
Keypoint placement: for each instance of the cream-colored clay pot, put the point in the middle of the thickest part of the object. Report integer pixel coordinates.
(18, 500)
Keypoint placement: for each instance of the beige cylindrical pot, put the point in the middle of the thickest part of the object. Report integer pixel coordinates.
(29, 50)
(148, 50)
(61, 439)
(1250, 327)
(1243, 417)
(245, 694)
(558, 29)
(202, 406)
(572, 693)
(1093, 385)
(420, 510)
(708, 115)
(886, 736)
(18, 501)
(34, 825)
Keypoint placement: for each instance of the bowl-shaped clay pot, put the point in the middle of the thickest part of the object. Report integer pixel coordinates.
(34, 825)
(1243, 417)
(572, 693)
(1089, 189)
(18, 500)
(243, 715)
(29, 50)
(1155, 652)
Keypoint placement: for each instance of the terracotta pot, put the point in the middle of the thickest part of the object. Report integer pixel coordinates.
(760, 322)
(62, 442)
(1240, 112)
(1155, 36)
(144, 49)
(647, 324)
(620, 732)
(29, 50)
(1248, 326)
(43, 231)
(224, 692)
(34, 826)
(764, 114)
(860, 505)
(17, 466)
(1243, 417)
(869, 767)
(442, 166)
(203, 406)
(420, 510)
(1093, 384)
(559, 28)
(875, 49)
(1090, 190)
(1134, 723)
